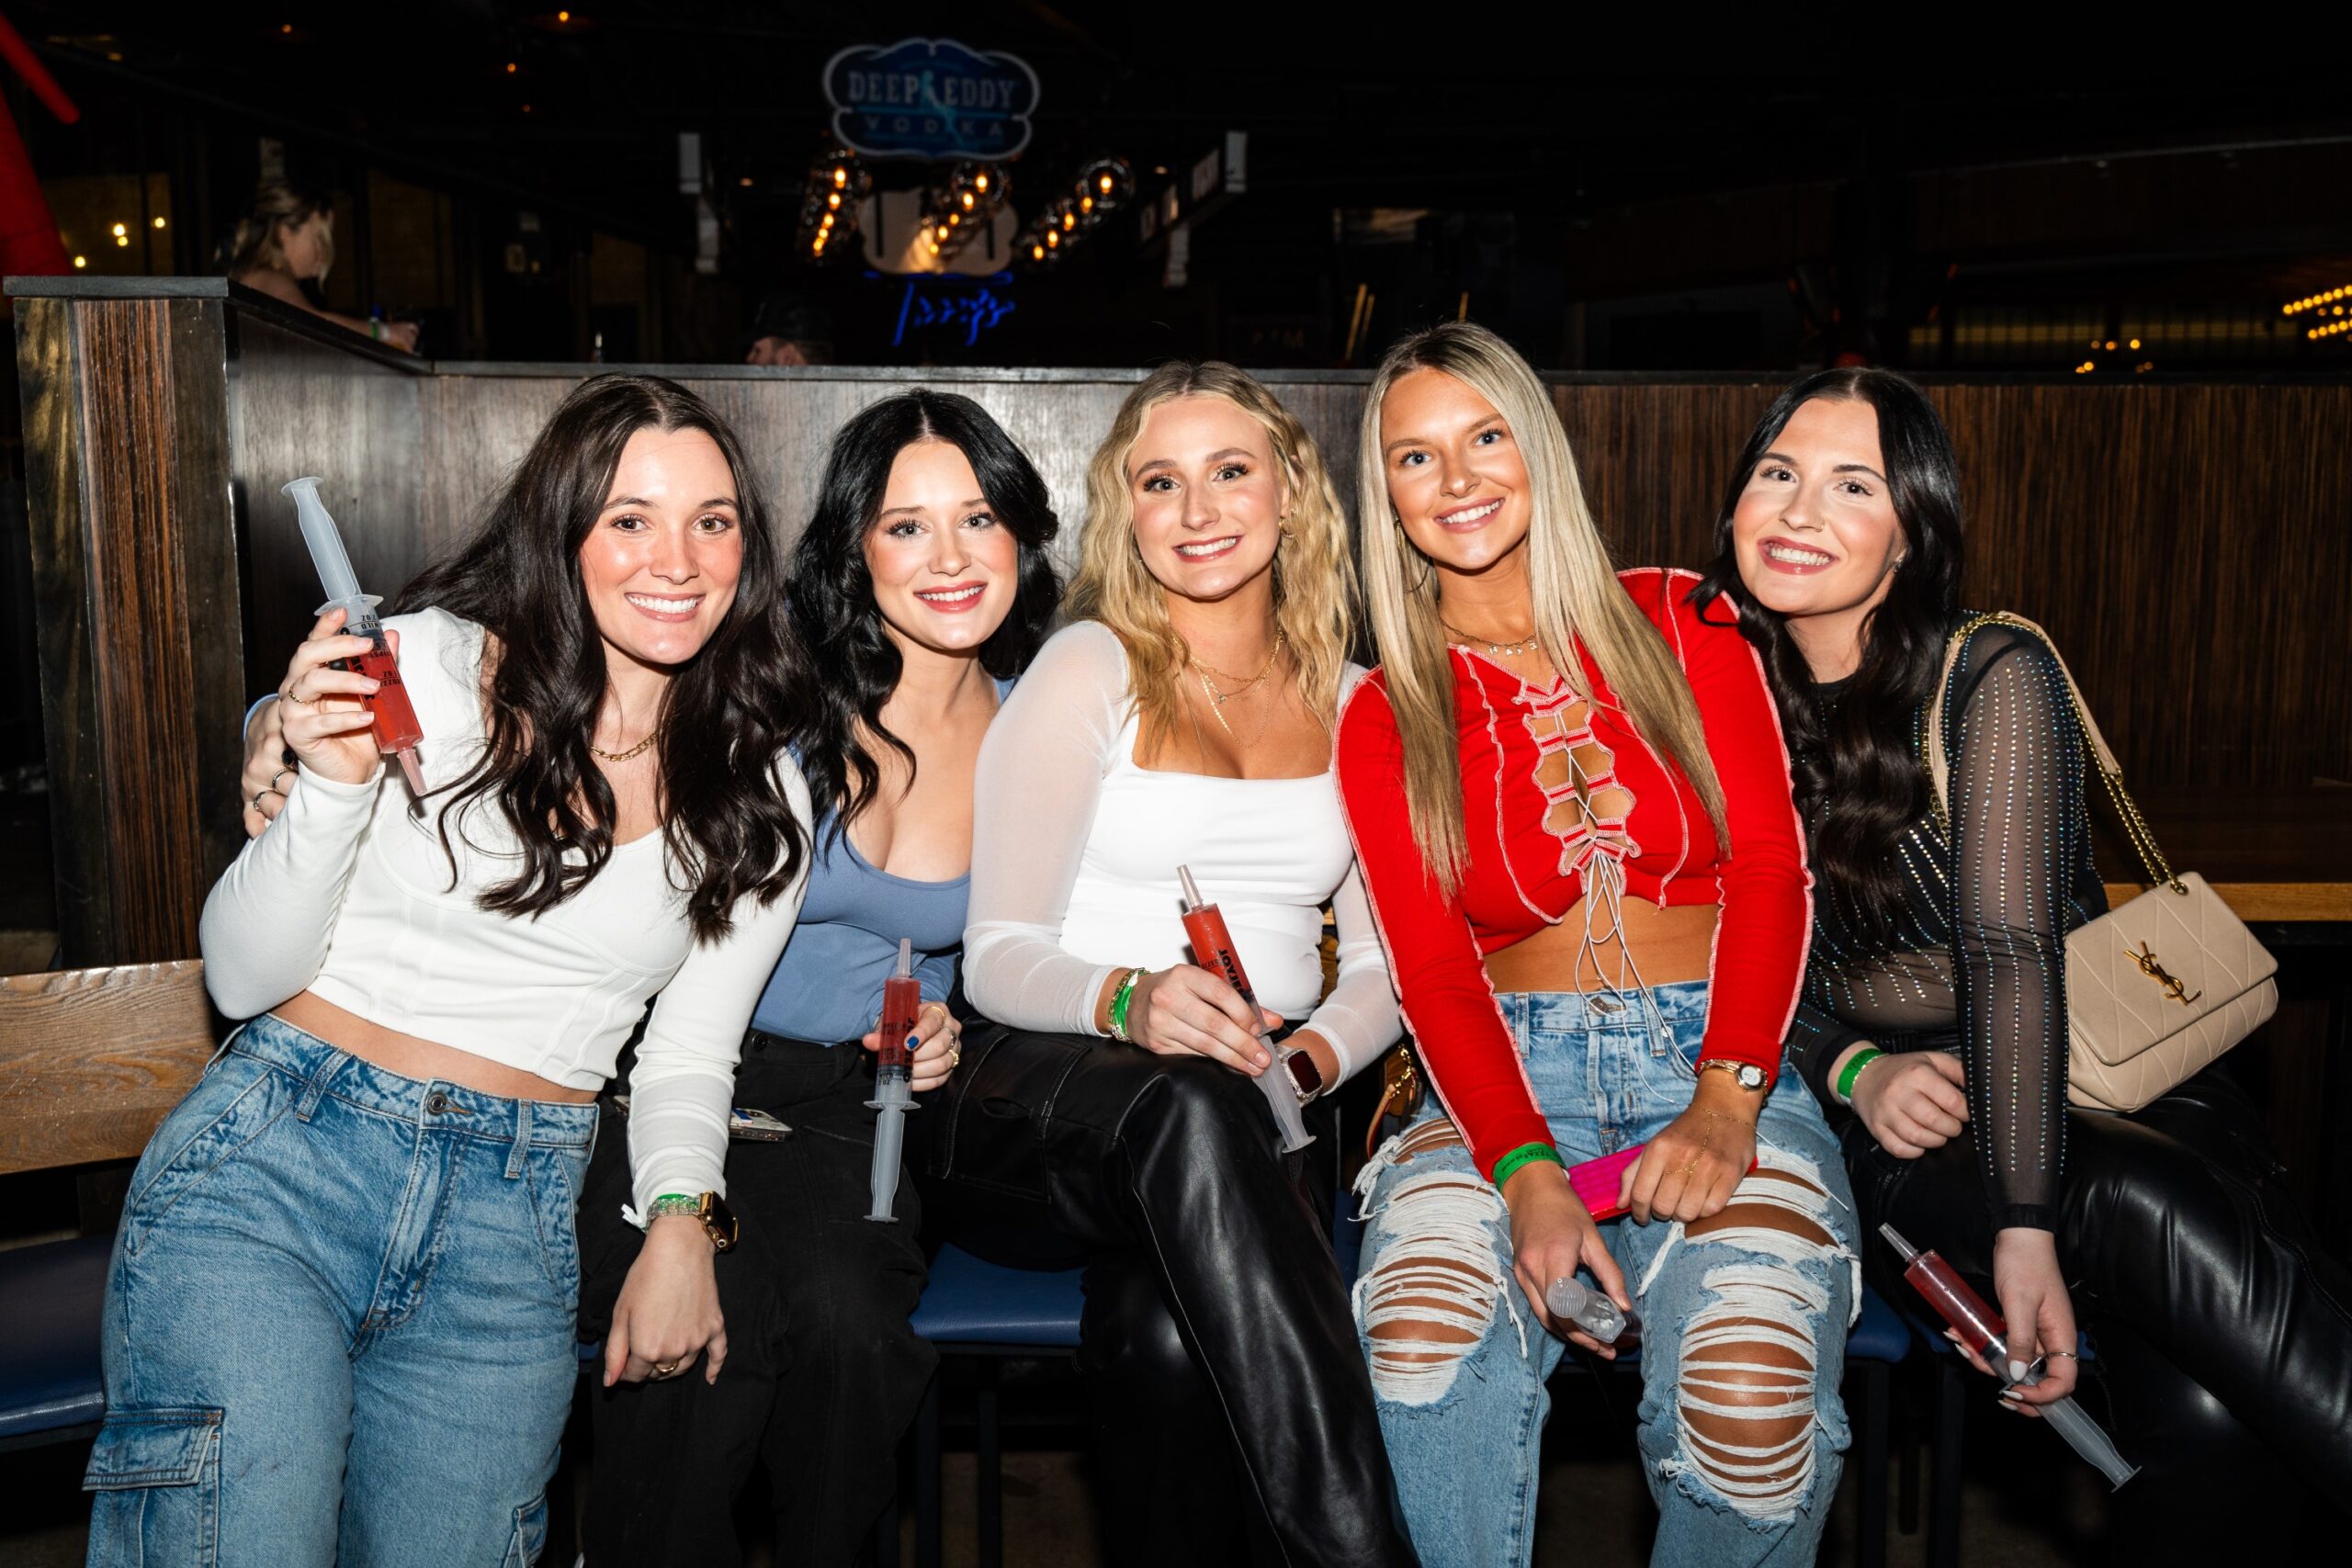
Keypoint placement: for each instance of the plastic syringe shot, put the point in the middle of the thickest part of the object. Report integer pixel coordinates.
(1572, 1301)
(894, 1093)
(397, 731)
(1214, 951)
(1982, 1330)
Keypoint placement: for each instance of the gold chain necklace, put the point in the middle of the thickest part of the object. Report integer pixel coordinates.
(1218, 699)
(1497, 650)
(636, 751)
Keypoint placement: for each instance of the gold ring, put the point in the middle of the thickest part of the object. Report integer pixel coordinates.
(665, 1369)
(954, 1056)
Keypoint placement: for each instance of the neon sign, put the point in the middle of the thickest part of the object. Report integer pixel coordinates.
(973, 305)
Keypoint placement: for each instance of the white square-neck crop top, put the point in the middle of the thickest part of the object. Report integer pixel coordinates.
(348, 894)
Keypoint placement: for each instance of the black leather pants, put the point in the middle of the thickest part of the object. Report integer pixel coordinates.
(1234, 1412)
(2223, 1335)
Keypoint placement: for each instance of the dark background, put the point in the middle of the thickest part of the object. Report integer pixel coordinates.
(1758, 193)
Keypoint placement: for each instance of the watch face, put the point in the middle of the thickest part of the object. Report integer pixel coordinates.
(1750, 1075)
(1304, 1076)
(718, 1220)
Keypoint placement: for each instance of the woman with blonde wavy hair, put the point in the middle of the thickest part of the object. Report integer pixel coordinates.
(1591, 886)
(1103, 1112)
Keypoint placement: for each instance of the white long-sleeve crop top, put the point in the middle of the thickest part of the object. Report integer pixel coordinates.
(348, 896)
(1074, 858)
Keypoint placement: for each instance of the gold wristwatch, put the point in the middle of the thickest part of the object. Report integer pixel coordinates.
(1747, 1074)
(708, 1209)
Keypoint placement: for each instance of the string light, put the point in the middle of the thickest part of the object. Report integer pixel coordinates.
(961, 206)
(2333, 329)
(829, 205)
(1099, 188)
(2315, 301)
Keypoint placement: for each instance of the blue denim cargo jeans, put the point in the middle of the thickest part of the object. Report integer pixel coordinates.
(338, 1326)
(1730, 1320)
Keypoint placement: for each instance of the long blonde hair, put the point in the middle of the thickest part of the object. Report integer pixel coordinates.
(1313, 602)
(1576, 599)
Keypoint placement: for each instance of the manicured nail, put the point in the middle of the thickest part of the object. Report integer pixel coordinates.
(912, 1040)
(2014, 1393)
(1262, 1058)
(2017, 1371)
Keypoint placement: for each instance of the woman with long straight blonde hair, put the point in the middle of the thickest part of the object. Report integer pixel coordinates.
(1591, 886)
(1104, 1112)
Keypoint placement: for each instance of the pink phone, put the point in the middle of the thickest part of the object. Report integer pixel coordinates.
(1597, 1182)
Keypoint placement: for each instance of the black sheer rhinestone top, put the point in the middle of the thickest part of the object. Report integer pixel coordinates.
(1975, 963)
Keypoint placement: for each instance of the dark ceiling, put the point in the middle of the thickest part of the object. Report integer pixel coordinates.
(1466, 110)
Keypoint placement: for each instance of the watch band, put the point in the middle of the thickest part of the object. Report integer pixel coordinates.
(1747, 1074)
(708, 1209)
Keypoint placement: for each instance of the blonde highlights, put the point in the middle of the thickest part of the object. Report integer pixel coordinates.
(1576, 599)
(1313, 604)
(256, 246)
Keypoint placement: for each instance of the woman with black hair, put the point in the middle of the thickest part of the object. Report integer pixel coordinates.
(340, 1319)
(1934, 1012)
(923, 578)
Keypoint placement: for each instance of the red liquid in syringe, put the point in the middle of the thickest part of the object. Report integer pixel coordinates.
(1979, 1327)
(901, 1011)
(1212, 948)
(395, 728)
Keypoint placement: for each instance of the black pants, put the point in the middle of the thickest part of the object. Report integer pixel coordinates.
(2223, 1333)
(1233, 1412)
(822, 1374)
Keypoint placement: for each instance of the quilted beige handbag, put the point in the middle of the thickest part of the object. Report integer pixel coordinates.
(2154, 989)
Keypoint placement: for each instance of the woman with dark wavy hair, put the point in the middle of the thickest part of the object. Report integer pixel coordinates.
(1934, 1016)
(340, 1321)
(924, 579)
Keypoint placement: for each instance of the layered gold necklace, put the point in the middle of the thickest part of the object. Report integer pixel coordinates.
(1218, 697)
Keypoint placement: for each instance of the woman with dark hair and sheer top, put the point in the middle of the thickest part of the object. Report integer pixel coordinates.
(1934, 1014)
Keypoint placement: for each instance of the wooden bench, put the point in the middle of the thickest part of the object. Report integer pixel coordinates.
(90, 1060)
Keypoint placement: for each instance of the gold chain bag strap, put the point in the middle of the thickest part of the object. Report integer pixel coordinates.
(2154, 989)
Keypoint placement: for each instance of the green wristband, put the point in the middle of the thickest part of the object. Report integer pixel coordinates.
(672, 1203)
(1119, 1001)
(1863, 1058)
(1525, 1154)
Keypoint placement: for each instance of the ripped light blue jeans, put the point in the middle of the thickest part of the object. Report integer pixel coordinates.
(1744, 1328)
(339, 1322)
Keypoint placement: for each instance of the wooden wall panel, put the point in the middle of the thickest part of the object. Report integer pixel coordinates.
(135, 579)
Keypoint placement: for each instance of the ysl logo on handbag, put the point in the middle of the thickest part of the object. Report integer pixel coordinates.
(2155, 971)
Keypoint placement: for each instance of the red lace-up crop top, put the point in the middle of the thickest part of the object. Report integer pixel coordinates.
(1560, 794)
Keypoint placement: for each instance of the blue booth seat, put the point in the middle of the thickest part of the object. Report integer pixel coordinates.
(50, 1294)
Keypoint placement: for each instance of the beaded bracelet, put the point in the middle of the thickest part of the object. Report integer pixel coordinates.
(1844, 1087)
(1119, 1001)
(1525, 1154)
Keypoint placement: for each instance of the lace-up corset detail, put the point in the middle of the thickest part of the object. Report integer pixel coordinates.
(1586, 806)
(1562, 800)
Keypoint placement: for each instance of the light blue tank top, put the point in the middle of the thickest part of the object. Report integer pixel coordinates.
(828, 986)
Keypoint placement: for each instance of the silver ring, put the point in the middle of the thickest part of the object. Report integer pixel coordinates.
(273, 789)
(255, 804)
